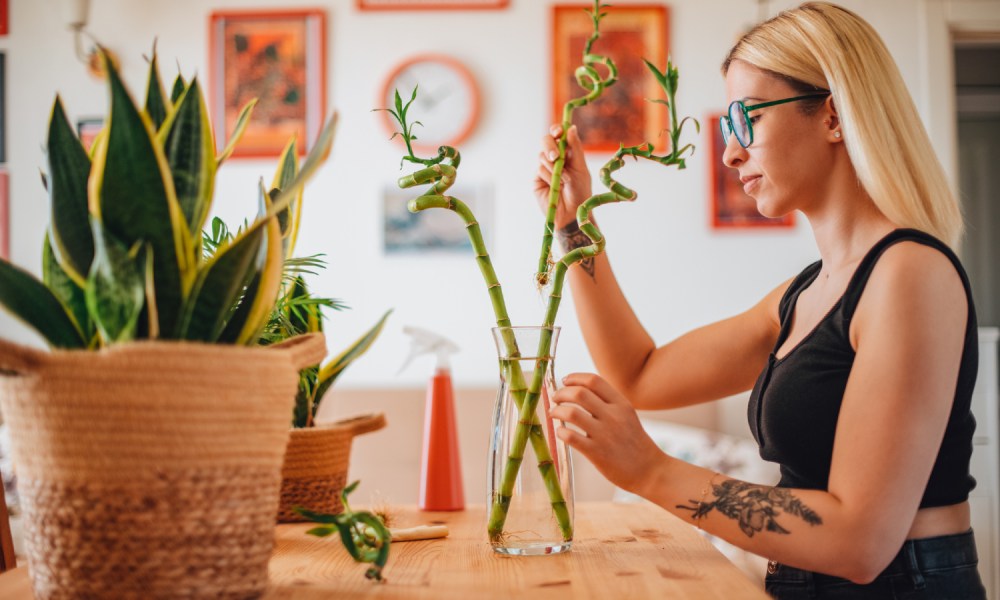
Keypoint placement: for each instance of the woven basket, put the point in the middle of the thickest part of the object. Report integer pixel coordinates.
(151, 469)
(315, 470)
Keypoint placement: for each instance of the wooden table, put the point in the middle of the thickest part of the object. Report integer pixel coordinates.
(621, 551)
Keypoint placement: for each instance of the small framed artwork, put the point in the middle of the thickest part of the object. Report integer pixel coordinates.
(431, 4)
(4, 214)
(279, 59)
(87, 129)
(731, 207)
(4, 17)
(436, 230)
(629, 33)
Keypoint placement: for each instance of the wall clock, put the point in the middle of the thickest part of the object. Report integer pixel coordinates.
(447, 101)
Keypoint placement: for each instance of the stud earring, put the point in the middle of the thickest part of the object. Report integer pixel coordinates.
(836, 134)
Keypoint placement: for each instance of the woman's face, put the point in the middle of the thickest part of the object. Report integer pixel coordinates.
(786, 166)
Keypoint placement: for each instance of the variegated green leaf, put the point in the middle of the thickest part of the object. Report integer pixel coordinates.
(156, 103)
(179, 86)
(288, 168)
(270, 277)
(218, 287)
(29, 301)
(241, 125)
(331, 370)
(186, 138)
(66, 290)
(238, 319)
(115, 289)
(69, 168)
(135, 200)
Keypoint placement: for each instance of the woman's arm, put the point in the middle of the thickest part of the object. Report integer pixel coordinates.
(673, 375)
(908, 331)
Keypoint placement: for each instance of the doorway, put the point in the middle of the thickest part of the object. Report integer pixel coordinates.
(977, 95)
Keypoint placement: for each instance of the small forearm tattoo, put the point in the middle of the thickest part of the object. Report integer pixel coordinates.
(754, 507)
(572, 238)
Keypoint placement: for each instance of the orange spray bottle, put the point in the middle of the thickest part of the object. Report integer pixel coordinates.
(440, 464)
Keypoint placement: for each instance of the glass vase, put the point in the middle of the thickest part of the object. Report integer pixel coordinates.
(530, 481)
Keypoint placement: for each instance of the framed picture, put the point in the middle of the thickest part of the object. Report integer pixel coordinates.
(3, 108)
(436, 230)
(430, 4)
(4, 17)
(731, 207)
(629, 33)
(4, 214)
(278, 58)
(87, 129)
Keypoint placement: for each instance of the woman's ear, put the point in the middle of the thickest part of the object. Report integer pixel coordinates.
(831, 119)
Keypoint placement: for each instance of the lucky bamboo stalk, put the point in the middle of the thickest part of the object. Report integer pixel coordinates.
(590, 80)
(617, 193)
(440, 171)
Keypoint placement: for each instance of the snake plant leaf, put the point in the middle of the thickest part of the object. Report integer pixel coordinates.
(317, 156)
(66, 290)
(132, 193)
(186, 138)
(288, 168)
(69, 168)
(270, 276)
(29, 301)
(156, 103)
(179, 86)
(241, 125)
(238, 319)
(115, 291)
(218, 288)
(331, 370)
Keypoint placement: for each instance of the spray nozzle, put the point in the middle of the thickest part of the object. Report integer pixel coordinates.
(427, 342)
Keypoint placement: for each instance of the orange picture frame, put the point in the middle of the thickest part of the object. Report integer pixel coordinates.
(278, 57)
(629, 33)
(730, 207)
(432, 4)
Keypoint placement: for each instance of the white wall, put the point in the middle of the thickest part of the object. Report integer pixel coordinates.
(677, 272)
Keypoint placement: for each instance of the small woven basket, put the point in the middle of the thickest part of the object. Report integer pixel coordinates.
(151, 469)
(315, 469)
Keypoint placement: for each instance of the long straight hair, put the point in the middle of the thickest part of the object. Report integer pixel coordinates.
(822, 45)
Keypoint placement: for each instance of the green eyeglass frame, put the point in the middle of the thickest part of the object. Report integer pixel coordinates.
(737, 121)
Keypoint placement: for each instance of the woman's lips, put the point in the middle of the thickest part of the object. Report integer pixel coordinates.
(749, 182)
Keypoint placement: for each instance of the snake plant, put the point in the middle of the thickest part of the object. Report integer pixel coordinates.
(123, 256)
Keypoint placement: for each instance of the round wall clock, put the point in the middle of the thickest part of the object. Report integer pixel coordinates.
(447, 103)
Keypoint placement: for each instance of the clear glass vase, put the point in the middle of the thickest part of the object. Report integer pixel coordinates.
(530, 484)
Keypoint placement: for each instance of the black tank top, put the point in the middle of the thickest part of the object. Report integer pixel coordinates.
(795, 403)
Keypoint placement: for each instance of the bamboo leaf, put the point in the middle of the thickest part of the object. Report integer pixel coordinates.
(331, 370)
(69, 168)
(66, 290)
(241, 125)
(156, 104)
(218, 288)
(187, 142)
(28, 300)
(115, 291)
(133, 195)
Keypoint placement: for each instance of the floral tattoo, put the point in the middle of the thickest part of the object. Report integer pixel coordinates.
(572, 238)
(755, 507)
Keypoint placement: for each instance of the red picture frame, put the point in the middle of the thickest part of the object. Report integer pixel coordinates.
(4, 17)
(4, 214)
(432, 4)
(278, 57)
(730, 207)
(622, 115)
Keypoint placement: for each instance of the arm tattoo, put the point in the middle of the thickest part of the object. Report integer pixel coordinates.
(755, 507)
(572, 238)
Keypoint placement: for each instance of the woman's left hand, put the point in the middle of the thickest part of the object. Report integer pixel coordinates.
(612, 437)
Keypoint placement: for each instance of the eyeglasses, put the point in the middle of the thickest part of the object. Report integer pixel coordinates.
(738, 120)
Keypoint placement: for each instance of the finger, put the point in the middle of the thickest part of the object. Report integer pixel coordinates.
(549, 144)
(582, 397)
(596, 384)
(576, 440)
(555, 130)
(576, 416)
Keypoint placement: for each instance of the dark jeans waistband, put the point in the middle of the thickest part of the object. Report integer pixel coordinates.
(924, 555)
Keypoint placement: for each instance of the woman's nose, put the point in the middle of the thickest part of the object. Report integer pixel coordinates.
(734, 154)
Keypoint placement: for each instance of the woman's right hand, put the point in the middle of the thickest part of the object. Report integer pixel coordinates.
(576, 185)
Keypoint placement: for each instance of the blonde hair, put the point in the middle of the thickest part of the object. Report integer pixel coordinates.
(821, 45)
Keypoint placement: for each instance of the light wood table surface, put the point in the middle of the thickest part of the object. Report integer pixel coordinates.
(620, 551)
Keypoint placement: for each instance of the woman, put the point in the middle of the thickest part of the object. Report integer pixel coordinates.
(862, 366)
